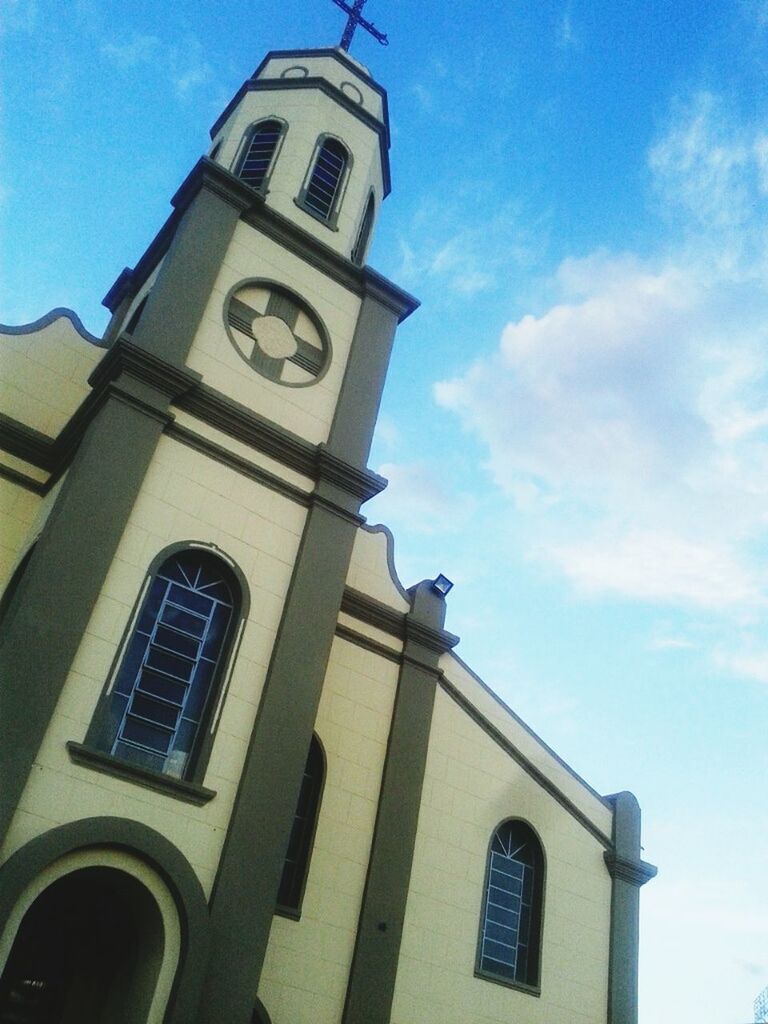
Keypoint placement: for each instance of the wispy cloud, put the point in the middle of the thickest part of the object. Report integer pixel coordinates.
(418, 499)
(183, 65)
(629, 421)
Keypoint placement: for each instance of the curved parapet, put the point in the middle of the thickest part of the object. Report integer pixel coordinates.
(44, 369)
(51, 317)
(372, 568)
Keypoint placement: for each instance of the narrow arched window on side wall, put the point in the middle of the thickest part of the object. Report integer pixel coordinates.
(510, 932)
(162, 698)
(296, 865)
(321, 193)
(363, 235)
(258, 156)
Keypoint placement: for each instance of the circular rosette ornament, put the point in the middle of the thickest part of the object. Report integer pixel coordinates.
(277, 333)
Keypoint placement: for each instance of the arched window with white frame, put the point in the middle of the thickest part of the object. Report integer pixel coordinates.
(322, 191)
(511, 925)
(258, 156)
(158, 708)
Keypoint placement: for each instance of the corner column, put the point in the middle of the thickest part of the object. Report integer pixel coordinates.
(628, 872)
(371, 985)
(245, 891)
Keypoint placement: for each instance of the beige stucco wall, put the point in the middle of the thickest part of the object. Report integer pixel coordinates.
(307, 965)
(307, 411)
(22, 517)
(369, 568)
(184, 497)
(471, 786)
(44, 374)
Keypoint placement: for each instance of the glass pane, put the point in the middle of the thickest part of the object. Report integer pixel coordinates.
(162, 686)
(216, 632)
(182, 619)
(154, 710)
(174, 641)
(148, 735)
(200, 603)
(152, 604)
(131, 663)
(137, 756)
(199, 690)
(172, 664)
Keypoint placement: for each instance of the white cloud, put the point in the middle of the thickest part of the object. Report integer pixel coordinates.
(419, 500)
(749, 665)
(140, 50)
(628, 423)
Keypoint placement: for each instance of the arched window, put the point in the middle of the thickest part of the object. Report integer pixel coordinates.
(361, 245)
(133, 323)
(259, 154)
(296, 864)
(162, 695)
(321, 193)
(510, 933)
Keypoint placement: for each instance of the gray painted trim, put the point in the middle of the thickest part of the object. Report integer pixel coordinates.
(397, 624)
(236, 462)
(371, 985)
(606, 801)
(66, 571)
(335, 52)
(51, 317)
(360, 280)
(328, 89)
(22, 480)
(528, 766)
(368, 644)
(89, 757)
(250, 868)
(38, 854)
(357, 406)
(26, 443)
(628, 872)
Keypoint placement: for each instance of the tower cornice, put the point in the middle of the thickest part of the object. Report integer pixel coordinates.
(208, 174)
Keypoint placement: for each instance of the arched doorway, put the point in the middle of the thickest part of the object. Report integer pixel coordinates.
(89, 949)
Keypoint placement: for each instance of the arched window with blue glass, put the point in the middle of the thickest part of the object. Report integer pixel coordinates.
(258, 156)
(162, 698)
(510, 931)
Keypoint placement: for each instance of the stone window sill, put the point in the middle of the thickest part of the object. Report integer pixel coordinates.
(520, 986)
(181, 789)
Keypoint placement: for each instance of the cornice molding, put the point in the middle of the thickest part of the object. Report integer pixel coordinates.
(527, 765)
(326, 51)
(26, 443)
(373, 613)
(362, 483)
(206, 173)
(125, 357)
(635, 872)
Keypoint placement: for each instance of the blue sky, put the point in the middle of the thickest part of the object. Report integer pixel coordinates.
(575, 423)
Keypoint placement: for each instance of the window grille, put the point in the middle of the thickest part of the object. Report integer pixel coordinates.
(358, 253)
(509, 940)
(296, 864)
(161, 694)
(325, 181)
(258, 157)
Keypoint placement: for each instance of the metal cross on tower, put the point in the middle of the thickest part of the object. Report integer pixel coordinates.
(355, 18)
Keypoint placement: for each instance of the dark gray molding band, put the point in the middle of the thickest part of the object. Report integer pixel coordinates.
(27, 863)
(22, 480)
(368, 644)
(206, 173)
(371, 985)
(26, 443)
(628, 872)
(527, 765)
(51, 317)
(66, 572)
(334, 52)
(398, 624)
(89, 757)
(251, 864)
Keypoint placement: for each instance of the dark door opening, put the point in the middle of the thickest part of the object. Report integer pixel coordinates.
(88, 951)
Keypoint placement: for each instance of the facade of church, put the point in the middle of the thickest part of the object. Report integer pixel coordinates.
(245, 777)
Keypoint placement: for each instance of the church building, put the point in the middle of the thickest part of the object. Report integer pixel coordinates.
(245, 776)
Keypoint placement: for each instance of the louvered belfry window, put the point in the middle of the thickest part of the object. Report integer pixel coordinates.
(296, 864)
(511, 927)
(257, 159)
(162, 694)
(325, 180)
